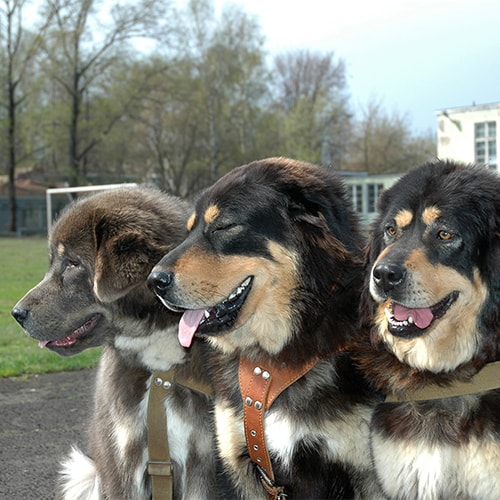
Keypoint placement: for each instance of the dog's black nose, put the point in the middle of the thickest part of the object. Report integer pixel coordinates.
(388, 275)
(20, 315)
(159, 281)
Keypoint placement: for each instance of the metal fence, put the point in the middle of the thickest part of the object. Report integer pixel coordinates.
(36, 213)
(31, 214)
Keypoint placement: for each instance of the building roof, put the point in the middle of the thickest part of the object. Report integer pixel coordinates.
(466, 109)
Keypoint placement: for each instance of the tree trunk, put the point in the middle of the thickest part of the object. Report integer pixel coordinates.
(74, 176)
(11, 140)
(212, 138)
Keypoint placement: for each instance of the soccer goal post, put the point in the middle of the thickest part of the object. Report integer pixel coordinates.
(81, 189)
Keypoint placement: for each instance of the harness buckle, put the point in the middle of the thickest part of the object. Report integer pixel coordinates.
(277, 491)
(160, 468)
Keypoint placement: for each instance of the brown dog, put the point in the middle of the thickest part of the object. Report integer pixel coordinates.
(101, 251)
(271, 274)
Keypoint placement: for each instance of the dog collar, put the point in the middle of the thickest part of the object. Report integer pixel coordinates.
(486, 379)
(260, 384)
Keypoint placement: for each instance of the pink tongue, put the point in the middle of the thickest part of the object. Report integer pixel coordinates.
(188, 325)
(421, 317)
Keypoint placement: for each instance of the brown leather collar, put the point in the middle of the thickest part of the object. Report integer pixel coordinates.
(160, 464)
(486, 379)
(260, 384)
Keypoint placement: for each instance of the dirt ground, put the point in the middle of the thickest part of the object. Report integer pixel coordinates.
(40, 418)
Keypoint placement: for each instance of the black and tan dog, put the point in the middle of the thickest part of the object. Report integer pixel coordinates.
(101, 251)
(434, 280)
(271, 273)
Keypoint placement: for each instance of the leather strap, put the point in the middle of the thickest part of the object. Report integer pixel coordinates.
(260, 384)
(486, 379)
(160, 466)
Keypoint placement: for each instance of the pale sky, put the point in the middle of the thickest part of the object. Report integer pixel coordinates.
(417, 56)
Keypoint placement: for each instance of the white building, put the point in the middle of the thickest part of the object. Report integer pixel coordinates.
(365, 189)
(469, 134)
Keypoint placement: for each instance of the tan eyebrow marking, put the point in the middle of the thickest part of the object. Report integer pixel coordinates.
(403, 218)
(430, 214)
(191, 221)
(211, 213)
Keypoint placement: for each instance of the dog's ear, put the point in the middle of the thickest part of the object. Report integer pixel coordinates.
(491, 271)
(366, 305)
(326, 212)
(123, 261)
(310, 213)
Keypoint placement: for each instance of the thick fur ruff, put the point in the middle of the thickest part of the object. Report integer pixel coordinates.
(95, 293)
(433, 298)
(272, 270)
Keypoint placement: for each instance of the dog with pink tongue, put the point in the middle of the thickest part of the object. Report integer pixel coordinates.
(432, 298)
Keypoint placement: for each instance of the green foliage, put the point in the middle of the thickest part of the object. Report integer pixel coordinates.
(178, 96)
(23, 265)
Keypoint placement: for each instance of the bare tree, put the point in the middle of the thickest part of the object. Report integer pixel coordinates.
(20, 49)
(169, 123)
(85, 42)
(310, 75)
(384, 143)
(228, 61)
(310, 90)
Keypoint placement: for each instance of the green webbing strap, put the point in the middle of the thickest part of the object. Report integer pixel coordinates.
(160, 465)
(486, 379)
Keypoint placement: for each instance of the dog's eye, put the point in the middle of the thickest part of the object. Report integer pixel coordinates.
(71, 263)
(391, 231)
(444, 235)
(222, 227)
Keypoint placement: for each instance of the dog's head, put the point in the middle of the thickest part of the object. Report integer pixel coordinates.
(101, 251)
(269, 246)
(434, 256)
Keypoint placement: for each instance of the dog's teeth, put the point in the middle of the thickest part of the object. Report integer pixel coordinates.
(246, 282)
(234, 295)
(410, 320)
(207, 314)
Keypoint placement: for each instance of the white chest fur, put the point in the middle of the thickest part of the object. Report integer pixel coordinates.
(417, 469)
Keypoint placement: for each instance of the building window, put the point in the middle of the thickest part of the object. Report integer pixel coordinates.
(356, 193)
(374, 191)
(486, 143)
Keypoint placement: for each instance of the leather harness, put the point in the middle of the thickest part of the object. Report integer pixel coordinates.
(260, 384)
(160, 466)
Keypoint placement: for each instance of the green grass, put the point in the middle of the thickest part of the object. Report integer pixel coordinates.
(23, 263)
